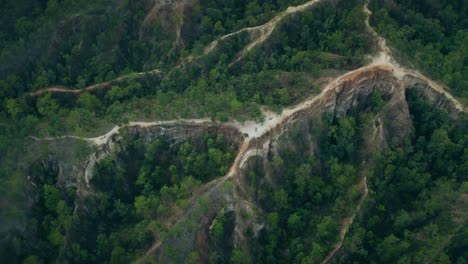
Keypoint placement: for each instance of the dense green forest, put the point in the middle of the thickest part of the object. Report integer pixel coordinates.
(278, 73)
(416, 207)
(431, 34)
(417, 211)
(310, 194)
(137, 189)
(77, 43)
(309, 184)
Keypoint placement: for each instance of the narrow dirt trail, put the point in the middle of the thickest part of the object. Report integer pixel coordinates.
(265, 31)
(230, 174)
(346, 224)
(384, 54)
(381, 61)
(268, 28)
(384, 57)
(255, 130)
(90, 88)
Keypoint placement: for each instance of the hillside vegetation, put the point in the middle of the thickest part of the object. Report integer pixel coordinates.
(418, 212)
(430, 34)
(247, 131)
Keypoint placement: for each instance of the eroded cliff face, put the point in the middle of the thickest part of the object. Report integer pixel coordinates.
(71, 161)
(302, 132)
(298, 130)
(180, 132)
(438, 98)
(263, 149)
(167, 17)
(352, 94)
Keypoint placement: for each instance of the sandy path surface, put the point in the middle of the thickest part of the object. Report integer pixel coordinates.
(382, 60)
(265, 29)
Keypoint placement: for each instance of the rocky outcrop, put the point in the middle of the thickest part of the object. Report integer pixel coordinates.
(297, 130)
(73, 159)
(300, 132)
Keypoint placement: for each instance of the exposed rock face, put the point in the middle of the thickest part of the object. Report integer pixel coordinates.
(76, 170)
(439, 99)
(64, 158)
(167, 19)
(297, 130)
(352, 94)
(179, 132)
(299, 133)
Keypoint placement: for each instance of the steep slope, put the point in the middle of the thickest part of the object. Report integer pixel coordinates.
(305, 168)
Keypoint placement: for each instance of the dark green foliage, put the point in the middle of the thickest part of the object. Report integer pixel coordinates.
(140, 185)
(113, 40)
(325, 38)
(376, 102)
(221, 237)
(50, 219)
(213, 18)
(80, 42)
(137, 188)
(431, 34)
(76, 43)
(309, 196)
(328, 36)
(425, 118)
(416, 212)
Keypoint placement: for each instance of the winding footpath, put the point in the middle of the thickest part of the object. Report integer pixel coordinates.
(265, 31)
(101, 85)
(252, 130)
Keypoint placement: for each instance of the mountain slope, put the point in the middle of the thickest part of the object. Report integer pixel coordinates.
(325, 180)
